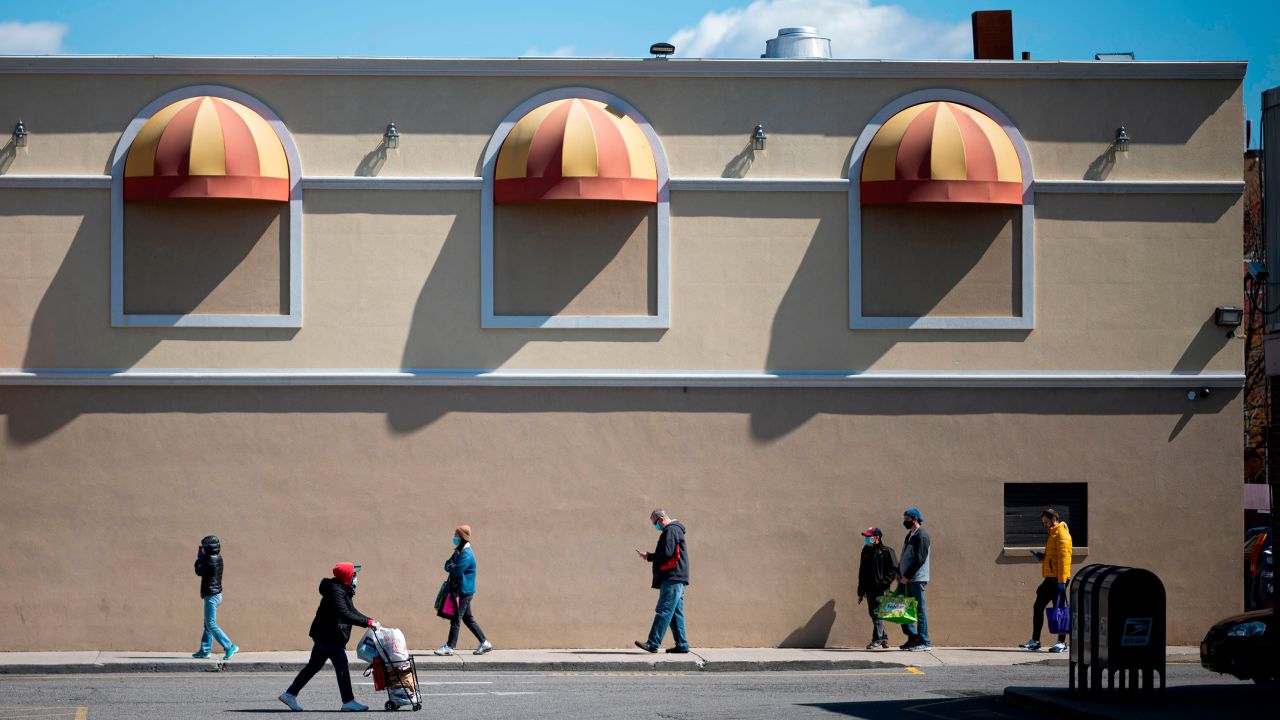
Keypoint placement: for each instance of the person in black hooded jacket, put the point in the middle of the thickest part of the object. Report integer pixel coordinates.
(331, 630)
(209, 568)
(670, 561)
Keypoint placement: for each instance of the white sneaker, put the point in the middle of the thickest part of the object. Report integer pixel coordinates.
(291, 701)
(1060, 647)
(485, 647)
(353, 706)
(444, 650)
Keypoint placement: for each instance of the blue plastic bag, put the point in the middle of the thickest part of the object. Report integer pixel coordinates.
(1058, 617)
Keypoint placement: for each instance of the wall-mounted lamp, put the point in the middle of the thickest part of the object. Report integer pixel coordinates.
(1122, 140)
(1228, 316)
(758, 137)
(392, 136)
(20, 135)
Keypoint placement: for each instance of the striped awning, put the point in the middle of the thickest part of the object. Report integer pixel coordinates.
(575, 149)
(206, 147)
(941, 152)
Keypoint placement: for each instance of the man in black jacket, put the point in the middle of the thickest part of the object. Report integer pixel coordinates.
(670, 560)
(331, 630)
(209, 568)
(875, 574)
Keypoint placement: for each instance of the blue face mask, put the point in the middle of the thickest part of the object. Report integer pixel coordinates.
(457, 540)
(657, 526)
(869, 541)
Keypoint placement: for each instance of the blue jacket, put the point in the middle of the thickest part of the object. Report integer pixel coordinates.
(461, 567)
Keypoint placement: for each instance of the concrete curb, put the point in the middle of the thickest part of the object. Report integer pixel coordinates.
(357, 668)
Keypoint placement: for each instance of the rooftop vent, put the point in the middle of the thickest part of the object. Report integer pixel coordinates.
(993, 35)
(1114, 56)
(798, 43)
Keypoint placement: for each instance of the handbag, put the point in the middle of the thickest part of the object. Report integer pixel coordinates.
(444, 590)
(1058, 617)
(898, 607)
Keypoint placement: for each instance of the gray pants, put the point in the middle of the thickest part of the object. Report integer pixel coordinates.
(877, 625)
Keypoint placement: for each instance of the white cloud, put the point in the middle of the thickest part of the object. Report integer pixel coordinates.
(857, 28)
(562, 51)
(33, 38)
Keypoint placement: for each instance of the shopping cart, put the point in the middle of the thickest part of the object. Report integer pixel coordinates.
(398, 677)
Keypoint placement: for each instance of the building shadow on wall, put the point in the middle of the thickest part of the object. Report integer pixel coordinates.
(74, 313)
(816, 632)
(741, 163)
(371, 164)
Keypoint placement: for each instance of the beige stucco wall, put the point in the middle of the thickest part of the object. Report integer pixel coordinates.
(758, 281)
(941, 260)
(108, 491)
(200, 256)
(1182, 128)
(575, 258)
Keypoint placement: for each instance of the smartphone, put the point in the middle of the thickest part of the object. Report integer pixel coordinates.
(358, 568)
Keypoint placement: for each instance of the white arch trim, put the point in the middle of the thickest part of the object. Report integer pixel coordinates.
(858, 321)
(293, 319)
(487, 317)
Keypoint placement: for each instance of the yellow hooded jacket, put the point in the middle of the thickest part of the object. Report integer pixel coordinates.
(1057, 554)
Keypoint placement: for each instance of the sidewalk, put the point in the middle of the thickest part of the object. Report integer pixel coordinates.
(598, 660)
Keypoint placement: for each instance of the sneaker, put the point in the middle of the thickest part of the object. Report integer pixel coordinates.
(921, 647)
(200, 655)
(291, 701)
(1060, 647)
(1032, 645)
(231, 651)
(909, 644)
(485, 647)
(677, 650)
(884, 644)
(646, 647)
(353, 706)
(444, 650)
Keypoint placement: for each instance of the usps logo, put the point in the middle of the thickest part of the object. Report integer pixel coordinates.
(1137, 632)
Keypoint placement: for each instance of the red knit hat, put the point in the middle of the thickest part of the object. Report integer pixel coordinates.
(344, 572)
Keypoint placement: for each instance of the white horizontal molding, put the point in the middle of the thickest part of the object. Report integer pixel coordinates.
(391, 183)
(338, 182)
(55, 182)
(575, 322)
(617, 67)
(133, 320)
(1141, 187)
(941, 322)
(617, 378)
(762, 184)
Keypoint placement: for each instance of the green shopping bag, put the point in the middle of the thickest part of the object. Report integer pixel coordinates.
(897, 607)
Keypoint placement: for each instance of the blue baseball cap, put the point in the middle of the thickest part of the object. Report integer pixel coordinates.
(915, 513)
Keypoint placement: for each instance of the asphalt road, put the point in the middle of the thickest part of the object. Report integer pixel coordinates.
(971, 693)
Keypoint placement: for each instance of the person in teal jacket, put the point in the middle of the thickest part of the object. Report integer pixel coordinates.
(461, 567)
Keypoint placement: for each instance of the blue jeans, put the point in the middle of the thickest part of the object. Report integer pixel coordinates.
(918, 630)
(211, 629)
(669, 613)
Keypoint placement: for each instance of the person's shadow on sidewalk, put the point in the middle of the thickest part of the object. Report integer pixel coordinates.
(813, 634)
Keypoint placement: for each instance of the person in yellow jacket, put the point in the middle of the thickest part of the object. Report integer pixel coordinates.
(1055, 566)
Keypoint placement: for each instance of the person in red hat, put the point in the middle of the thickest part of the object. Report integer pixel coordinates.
(331, 631)
(875, 574)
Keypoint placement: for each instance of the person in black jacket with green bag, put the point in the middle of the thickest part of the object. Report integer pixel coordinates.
(330, 631)
(876, 571)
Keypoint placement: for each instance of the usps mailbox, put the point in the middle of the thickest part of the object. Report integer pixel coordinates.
(1131, 628)
(1084, 636)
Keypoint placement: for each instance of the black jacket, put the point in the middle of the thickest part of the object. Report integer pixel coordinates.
(875, 572)
(209, 568)
(671, 557)
(336, 614)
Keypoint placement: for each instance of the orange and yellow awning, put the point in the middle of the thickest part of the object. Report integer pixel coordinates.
(206, 147)
(575, 149)
(941, 152)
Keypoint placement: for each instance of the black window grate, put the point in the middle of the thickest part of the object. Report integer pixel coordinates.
(1023, 503)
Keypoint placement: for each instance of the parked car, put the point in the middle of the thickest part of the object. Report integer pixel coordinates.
(1244, 646)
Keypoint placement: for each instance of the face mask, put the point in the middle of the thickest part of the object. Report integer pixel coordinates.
(457, 540)
(657, 526)
(868, 540)
(907, 524)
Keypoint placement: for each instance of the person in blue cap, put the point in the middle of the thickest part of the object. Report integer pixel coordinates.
(913, 570)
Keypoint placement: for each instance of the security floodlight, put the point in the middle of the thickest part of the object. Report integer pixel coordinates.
(660, 51)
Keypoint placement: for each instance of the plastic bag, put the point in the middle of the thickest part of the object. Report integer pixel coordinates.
(367, 649)
(1058, 617)
(898, 608)
(394, 647)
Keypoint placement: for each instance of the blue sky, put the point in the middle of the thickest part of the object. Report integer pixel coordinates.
(1169, 30)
